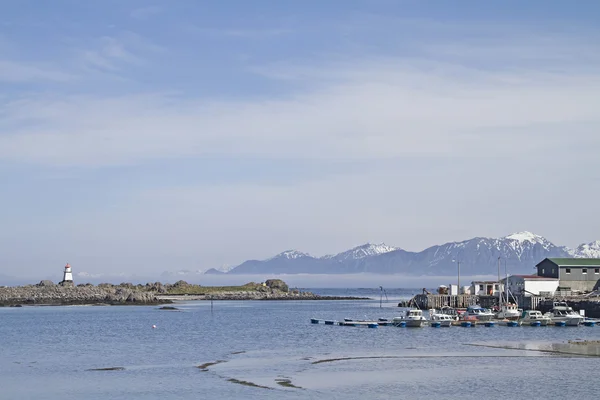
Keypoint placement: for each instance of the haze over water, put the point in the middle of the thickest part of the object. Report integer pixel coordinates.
(47, 353)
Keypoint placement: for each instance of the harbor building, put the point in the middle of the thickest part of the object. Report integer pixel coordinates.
(531, 285)
(577, 274)
(486, 288)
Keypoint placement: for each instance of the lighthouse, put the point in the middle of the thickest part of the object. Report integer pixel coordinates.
(68, 276)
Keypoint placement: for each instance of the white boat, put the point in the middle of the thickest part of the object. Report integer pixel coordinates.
(443, 318)
(561, 312)
(413, 318)
(509, 311)
(477, 312)
(530, 317)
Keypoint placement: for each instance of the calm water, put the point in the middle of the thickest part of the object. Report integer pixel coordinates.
(47, 352)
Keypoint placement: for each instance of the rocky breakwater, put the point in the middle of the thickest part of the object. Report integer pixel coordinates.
(48, 293)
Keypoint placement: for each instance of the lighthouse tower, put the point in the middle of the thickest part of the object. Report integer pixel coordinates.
(68, 276)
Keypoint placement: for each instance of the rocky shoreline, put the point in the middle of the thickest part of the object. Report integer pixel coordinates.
(64, 295)
(49, 293)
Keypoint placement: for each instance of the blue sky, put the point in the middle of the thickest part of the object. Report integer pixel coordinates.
(149, 136)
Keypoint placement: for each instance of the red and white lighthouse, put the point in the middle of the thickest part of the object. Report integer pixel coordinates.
(68, 276)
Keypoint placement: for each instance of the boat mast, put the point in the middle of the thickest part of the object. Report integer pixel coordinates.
(506, 285)
(499, 291)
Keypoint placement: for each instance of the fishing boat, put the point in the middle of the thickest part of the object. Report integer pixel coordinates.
(478, 313)
(443, 318)
(562, 312)
(509, 311)
(413, 318)
(531, 317)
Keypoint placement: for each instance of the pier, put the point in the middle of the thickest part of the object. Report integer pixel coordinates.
(590, 305)
(429, 301)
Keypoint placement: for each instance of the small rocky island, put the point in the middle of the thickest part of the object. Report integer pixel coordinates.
(67, 293)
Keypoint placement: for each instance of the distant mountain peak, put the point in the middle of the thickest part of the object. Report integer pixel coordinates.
(370, 249)
(363, 251)
(290, 255)
(588, 250)
(526, 236)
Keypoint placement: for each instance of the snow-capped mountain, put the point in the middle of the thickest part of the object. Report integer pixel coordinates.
(587, 250)
(290, 255)
(518, 253)
(366, 250)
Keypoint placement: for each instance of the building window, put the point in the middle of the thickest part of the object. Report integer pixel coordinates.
(543, 271)
(597, 270)
(552, 270)
(480, 287)
(496, 287)
(584, 270)
(567, 270)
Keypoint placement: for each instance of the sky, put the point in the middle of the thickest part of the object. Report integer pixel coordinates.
(140, 137)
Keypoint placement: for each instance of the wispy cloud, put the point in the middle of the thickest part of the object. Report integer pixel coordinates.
(248, 33)
(373, 111)
(144, 13)
(19, 72)
(109, 55)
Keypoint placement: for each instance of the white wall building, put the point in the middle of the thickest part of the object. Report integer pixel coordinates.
(529, 285)
(486, 288)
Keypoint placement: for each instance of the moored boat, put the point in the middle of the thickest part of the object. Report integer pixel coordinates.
(413, 318)
(508, 311)
(562, 312)
(443, 319)
(530, 317)
(477, 312)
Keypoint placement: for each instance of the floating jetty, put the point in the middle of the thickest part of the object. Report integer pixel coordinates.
(351, 322)
(436, 324)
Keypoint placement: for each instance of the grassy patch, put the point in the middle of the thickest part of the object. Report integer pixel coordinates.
(205, 290)
(107, 369)
(204, 367)
(246, 383)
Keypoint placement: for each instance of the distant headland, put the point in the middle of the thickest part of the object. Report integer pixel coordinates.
(67, 293)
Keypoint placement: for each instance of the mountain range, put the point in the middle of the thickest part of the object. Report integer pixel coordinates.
(518, 252)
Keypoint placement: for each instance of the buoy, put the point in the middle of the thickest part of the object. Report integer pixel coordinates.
(489, 324)
(153, 326)
(560, 323)
(465, 324)
(436, 324)
(589, 323)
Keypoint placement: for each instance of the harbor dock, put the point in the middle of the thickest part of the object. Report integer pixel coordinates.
(590, 305)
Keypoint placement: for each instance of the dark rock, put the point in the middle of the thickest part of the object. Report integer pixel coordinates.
(46, 282)
(277, 284)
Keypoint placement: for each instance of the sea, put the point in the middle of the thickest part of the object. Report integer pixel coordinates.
(271, 350)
